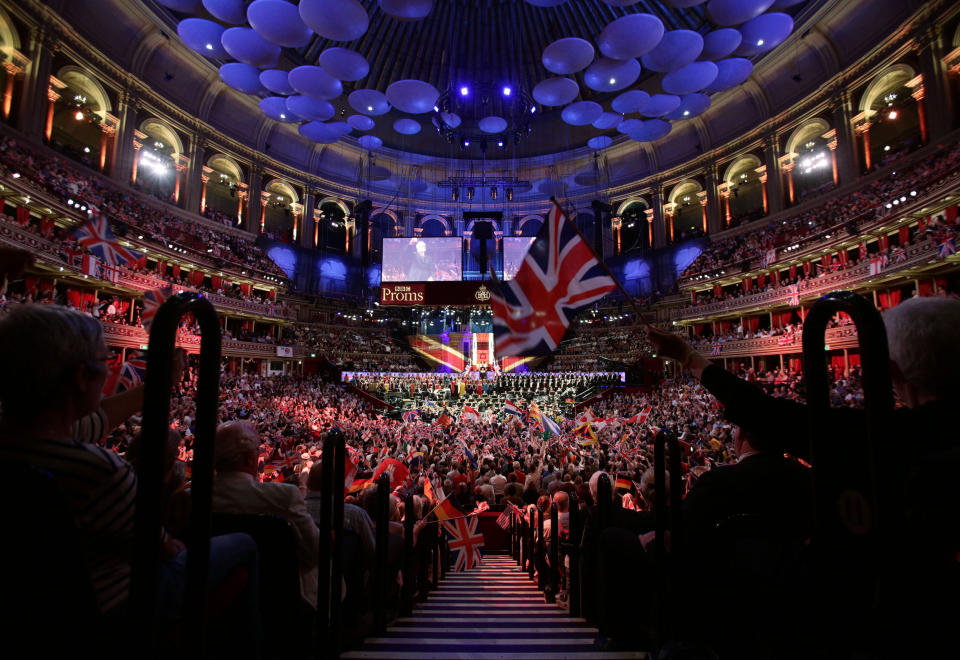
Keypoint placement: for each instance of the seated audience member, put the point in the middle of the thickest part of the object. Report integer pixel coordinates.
(236, 489)
(60, 361)
(915, 469)
(355, 518)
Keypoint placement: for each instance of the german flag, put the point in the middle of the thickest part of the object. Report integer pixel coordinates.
(623, 483)
(428, 490)
(445, 510)
(569, 400)
(360, 484)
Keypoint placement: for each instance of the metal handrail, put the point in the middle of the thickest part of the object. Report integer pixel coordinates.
(156, 415)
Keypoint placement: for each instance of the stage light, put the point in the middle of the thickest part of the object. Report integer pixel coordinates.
(613, 81)
(500, 143)
(78, 115)
(507, 91)
(533, 109)
(892, 115)
(436, 109)
(464, 91)
(209, 46)
(466, 143)
(759, 42)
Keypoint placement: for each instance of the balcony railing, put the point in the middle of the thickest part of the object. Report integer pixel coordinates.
(836, 338)
(129, 336)
(850, 278)
(14, 235)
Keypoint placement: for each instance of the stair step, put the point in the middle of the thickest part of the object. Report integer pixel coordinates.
(494, 655)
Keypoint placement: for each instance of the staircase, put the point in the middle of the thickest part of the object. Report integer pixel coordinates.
(493, 611)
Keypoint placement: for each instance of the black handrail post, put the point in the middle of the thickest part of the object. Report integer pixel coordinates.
(531, 547)
(551, 593)
(406, 596)
(573, 590)
(436, 553)
(323, 547)
(380, 570)
(541, 551)
(660, 542)
(514, 540)
(336, 576)
(604, 502)
(444, 554)
(156, 414)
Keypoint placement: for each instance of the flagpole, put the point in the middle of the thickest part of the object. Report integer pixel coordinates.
(640, 315)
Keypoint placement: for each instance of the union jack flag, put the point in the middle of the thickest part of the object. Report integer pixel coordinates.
(96, 236)
(465, 541)
(716, 348)
(411, 416)
(947, 247)
(794, 291)
(559, 276)
(126, 375)
(151, 303)
(785, 340)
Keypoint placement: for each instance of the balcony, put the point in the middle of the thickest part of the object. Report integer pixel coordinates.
(48, 252)
(916, 256)
(835, 338)
(128, 336)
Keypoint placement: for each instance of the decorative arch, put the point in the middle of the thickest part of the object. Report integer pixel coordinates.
(9, 37)
(435, 216)
(163, 132)
(390, 214)
(527, 218)
(226, 165)
(956, 37)
(281, 187)
(892, 77)
(339, 202)
(627, 202)
(685, 187)
(810, 130)
(492, 221)
(84, 81)
(743, 164)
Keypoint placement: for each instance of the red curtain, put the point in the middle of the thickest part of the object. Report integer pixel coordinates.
(74, 297)
(793, 272)
(717, 291)
(922, 224)
(162, 268)
(746, 284)
(836, 361)
(951, 213)
(752, 324)
(724, 326)
(176, 271)
(273, 294)
(883, 242)
(761, 280)
(216, 282)
(693, 297)
(842, 257)
(884, 300)
(45, 285)
(904, 235)
(196, 277)
(776, 277)
(23, 216)
(941, 284)
(806, 268)
(796, 365)
(245, 288)
(926, 288)
(895, 297)
(31, 285)
(854, 359)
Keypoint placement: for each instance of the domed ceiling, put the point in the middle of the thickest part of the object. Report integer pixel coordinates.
(506, 78)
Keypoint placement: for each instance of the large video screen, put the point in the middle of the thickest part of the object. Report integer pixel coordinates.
(514, 250)
(422, 259)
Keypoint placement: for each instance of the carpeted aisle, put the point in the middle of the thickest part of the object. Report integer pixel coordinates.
(493, 611)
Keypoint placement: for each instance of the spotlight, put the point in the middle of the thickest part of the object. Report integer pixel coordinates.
(686, 113)
(282, 116)
(466, 143)
(436, 109)
(464, 91)
(892, 115)
(78, 115)
(507, 91)
(533, 109)
(209, 46)
(613, 81)
(500, 143)
(759, 42)
(369, 108)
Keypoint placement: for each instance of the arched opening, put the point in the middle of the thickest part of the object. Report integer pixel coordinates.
(745, 188)
(220, 193)
(687, 211)
(382, 225)
(893, 116)
(332, 227)
(78, 114)
(634, 229)
(433, 227)
(278, 214)
(813, 164)
(530, 225)
(156, 161)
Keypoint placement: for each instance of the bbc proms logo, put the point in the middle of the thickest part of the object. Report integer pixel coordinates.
(482, 294)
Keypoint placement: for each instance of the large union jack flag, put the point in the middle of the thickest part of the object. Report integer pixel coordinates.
(465, 541)
(96, 236)
(126, 375)
(559, 276)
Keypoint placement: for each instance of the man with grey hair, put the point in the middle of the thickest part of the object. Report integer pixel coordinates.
(236, 489)
(915, 471)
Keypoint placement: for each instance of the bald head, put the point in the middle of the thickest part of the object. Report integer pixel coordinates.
(235, 447)
(562, 501)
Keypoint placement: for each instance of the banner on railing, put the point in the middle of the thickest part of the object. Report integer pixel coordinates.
(284, 351)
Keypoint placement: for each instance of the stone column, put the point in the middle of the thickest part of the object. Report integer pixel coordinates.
(255, 206)
(933, 91)
(659, 228)
(36, 82)
(195, 185)
(714, 216)
(123, 148)
(771, 155)
(309, 229)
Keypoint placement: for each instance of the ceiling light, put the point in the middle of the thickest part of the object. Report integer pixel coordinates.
(500, 143)
(282, 116)
(209, 46)
(892, 115)
(369, 108)
(78, 116)
(686, 113)
(613, 81)
(507, 91)
(533, 109)
(466, 143)
(759, 42)
(436, 109)
(464, 91)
